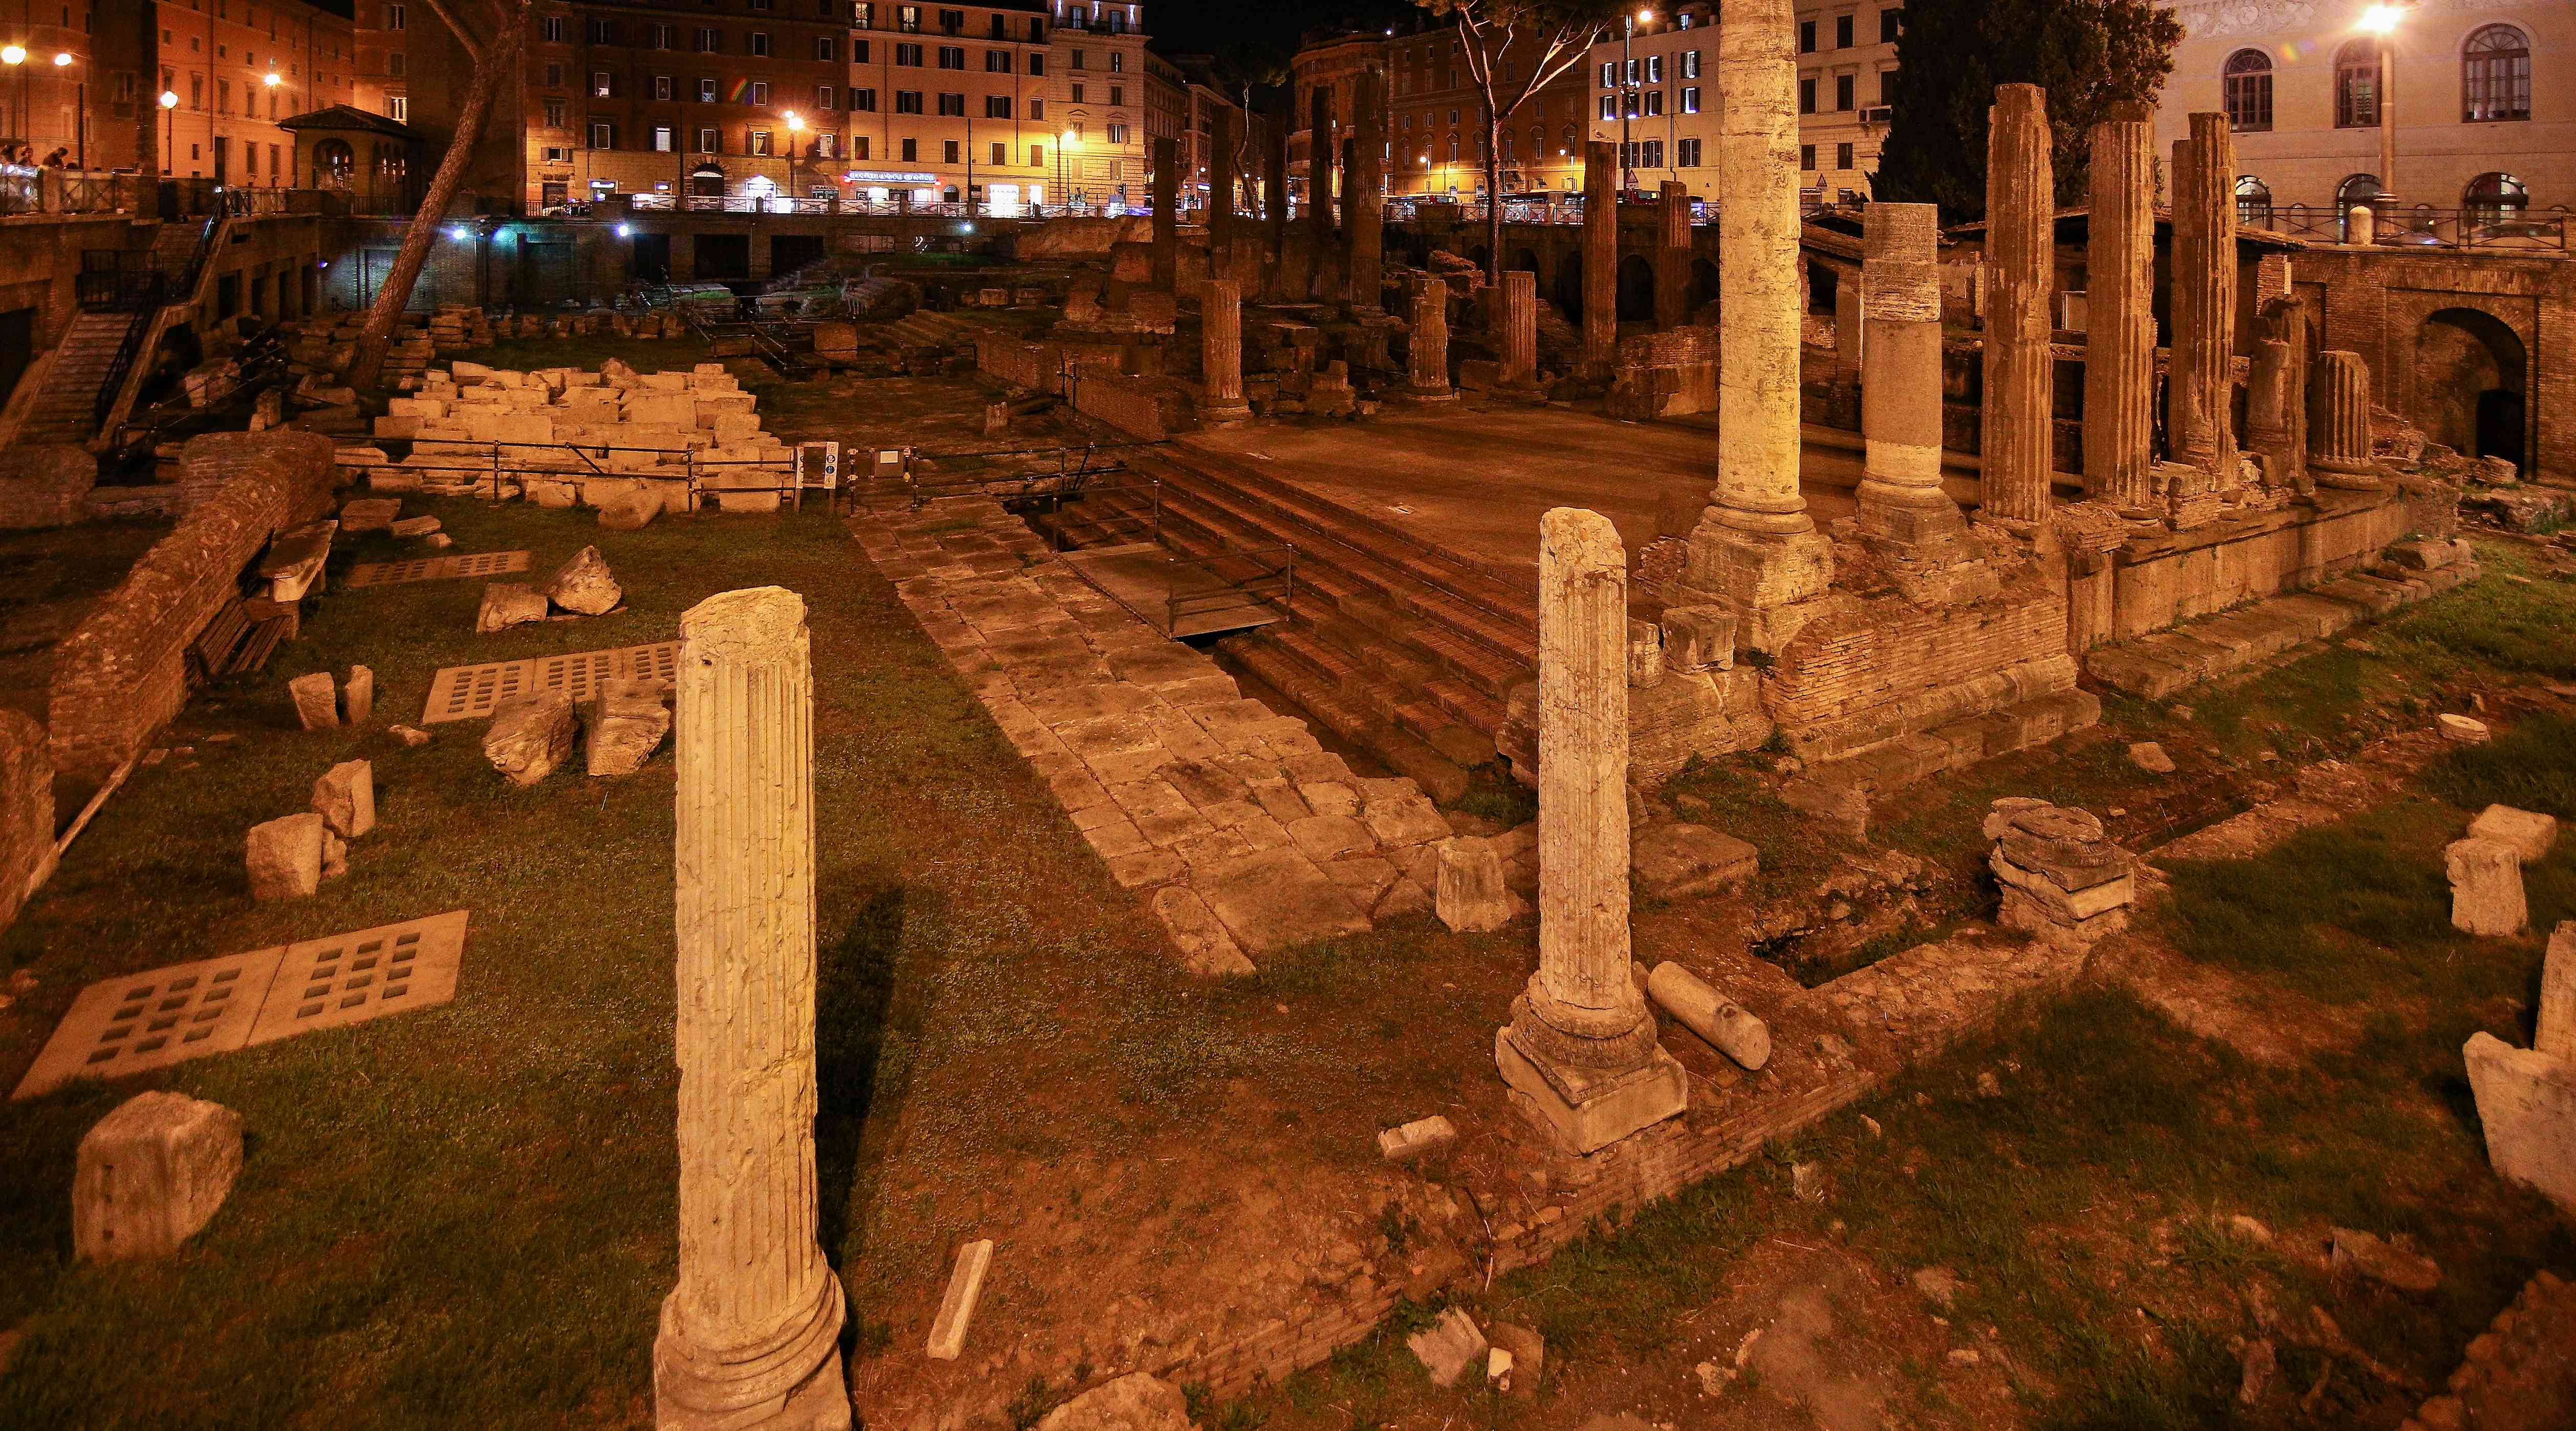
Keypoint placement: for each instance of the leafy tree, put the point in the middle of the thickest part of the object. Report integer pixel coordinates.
(1514, 49)
(2088, 55)
(490, 32)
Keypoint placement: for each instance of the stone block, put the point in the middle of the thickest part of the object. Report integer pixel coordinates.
(2486, 887)
(530, 735)
(2465, 730)
(957, 1307)
(1674, 860)
(358, 697)
(2531, 834)
(627, 721)
(507, 604)
(1469, 895)
(1206, 948)
(370, 514)
(2556, 1035)
(2527, 1105)
(1710, 1014)
(317, 700)
(151, 1174)
(1448, 1346)
(284, 857)
(1586, 1110)
(1412, 1140)
(1138, 1401)
(345, 798)
(1699, 638)
(584, 585)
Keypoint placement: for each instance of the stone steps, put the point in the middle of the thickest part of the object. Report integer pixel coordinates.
(2163, 663)
(1267, 656)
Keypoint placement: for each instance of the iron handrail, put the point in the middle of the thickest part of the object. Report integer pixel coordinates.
(1239, 591)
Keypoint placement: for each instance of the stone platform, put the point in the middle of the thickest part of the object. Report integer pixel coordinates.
(1245, 835)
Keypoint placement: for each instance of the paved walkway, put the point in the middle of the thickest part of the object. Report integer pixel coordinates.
(1248, 836)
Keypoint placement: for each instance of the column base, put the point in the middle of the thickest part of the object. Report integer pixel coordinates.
(1233, 414)
(1587, 1109)
(1422, 397)
(1756, 575)
(821, 1402)
(2346, 476)
(1527, 394)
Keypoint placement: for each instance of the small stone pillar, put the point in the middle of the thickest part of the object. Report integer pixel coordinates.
(1167, 214)
(750, 1336)
(1364, 179)
(1756, 551)
(2119, 312)
(1672, 257)
(2292, 319)
(2339, 424)
(1221, 353)
(1321, 146)
(2361, 225)
(2200, 390)
(1519, 312)
(1600, 258)
(1427, 365)
(2273, 392)
(1220, 209)
(2021, 247)
(1580, 1052)
(1902, 506)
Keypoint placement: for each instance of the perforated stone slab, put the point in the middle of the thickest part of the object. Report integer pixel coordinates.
(153, 1019)
(470, 692)
(396, 573)
(350, 978)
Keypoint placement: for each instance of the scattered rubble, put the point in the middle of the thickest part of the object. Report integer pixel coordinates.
(530, 735)
(2486, 887)
(151, 1174)
(284, 857)
(2062, 879)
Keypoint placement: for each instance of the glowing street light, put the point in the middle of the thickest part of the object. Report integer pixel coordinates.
(13, 54)
(2380, 22)
(170, 131)
(62, 58)
(272, 79)
(795, 128)
(1068, 140)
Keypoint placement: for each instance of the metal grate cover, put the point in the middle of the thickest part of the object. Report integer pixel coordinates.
(164, 1016)
(396, 573)
(470, 692)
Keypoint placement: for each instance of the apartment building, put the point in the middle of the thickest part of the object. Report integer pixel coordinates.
(1200, 100)
(2482, 110)
(91, 85)
(1096, 86)
(948, 103)
(1654, 90)
(1436, 135)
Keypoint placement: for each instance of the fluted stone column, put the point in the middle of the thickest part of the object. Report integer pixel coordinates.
(1364, 176)
(1220, 210)
(749, 1337)
(1167, 216)
(1900, 492)
(1672, 257)
(1600, 258)
(1519, 310)
(2020, 420)
(2272, 390)
(1756, 549)
(2200, 391)
(1221, 353)
(1580, 1051)
(2120, 318)
(2291, 319)
(2339, 423)
(1427, 353)
(1321, 147)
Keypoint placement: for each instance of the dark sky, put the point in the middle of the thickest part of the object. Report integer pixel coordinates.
(1208, 26)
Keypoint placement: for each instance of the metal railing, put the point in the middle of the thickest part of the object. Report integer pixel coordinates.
(1267, 585)
(2422, 226)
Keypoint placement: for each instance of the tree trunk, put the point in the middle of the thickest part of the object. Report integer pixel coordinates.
(498, 61)
(1493, 198)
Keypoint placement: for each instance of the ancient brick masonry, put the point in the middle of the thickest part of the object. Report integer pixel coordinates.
(2021, 211)
(2120, 321)
(122, 672)
(750, 1336)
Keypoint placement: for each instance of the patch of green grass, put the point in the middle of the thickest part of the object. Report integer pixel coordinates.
(2496, 622)
(1735, 794)
(1493, 794)
(2530, 767)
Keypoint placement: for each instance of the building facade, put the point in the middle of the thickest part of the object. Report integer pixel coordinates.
(1661, 78)
(1097, 83)
(2482, 108)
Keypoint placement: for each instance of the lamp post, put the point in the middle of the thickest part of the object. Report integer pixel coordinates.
(15, 57)
(270, 80)
(1064, 141)
(170, 133)
(80, 111)
(795, 140)
(2380, 21)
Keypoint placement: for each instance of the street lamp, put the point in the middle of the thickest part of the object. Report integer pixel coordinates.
(1627, 81)
(15, 57)
(1064, 141)
(2380, 21)
(795, 128)
(170, 133)
(80, 112)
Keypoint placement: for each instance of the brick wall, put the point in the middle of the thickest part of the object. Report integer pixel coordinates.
(123, 671)
(45, 486)
(1888, 668)
(26, 809)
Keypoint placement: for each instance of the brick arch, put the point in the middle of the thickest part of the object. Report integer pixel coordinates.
(2421, 323)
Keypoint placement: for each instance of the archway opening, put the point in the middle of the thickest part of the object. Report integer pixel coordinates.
(1703, 284)
(707, 181)
(1636, 289)
(1569, 286)
(2472, 384)
(1525, 261)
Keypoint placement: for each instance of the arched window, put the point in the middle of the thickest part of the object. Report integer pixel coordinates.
(2495, 75)
(2253, 202)
(1453, 148)
(2492, 196)
(1572, 144)
(2357, 85)
(333, 160)
(2356, 189)
(2247, 81)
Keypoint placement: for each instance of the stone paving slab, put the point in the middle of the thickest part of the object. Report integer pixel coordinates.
(470, 692)
(399, 573)
(1243, 834)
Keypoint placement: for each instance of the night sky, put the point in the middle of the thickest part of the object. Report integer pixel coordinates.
(1209, 26)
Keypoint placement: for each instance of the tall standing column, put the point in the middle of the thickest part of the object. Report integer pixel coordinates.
(2020, 418)
(1274, 196)
(1321, 146)
(1221, 353)
(1364, 180)
(1900, 492)
(1167, 213)
(1756, 550)
(1672, 257)
(2339, 423)
(750, 1336)
(1600, 258)
(1580, 1051)
(2119, 308)
(1220, 209)
(2200, 390)
(1519, 378)
(1427, 364)
(2273, 390)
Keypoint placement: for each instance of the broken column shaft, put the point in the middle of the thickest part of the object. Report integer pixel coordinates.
(1321, 146)
(2021, 221)
(1220, 208)
(1672, 257)
(1167, 216)
(1600, 258)
(1519, 317)
(2200, 390)
(2339, 423)
(1364, 179)
(2119, 311)
(1427, 356)
(1274, 198)
(1900, 492)
(1221, 352)
(750, 1336)
(1580, 1051)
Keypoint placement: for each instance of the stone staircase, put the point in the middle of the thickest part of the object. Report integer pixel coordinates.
(65, 410)
(1406, 651)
